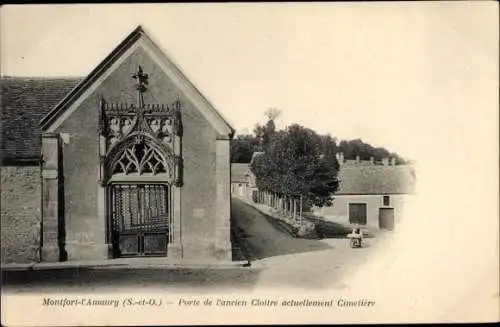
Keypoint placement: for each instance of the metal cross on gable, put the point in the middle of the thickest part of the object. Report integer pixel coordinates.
(142, 81)
(145, 112)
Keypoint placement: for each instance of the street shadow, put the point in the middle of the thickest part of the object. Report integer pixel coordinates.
(116, 280)
(330, 229)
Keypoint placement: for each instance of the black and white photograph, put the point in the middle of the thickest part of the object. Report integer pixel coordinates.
(266, 163)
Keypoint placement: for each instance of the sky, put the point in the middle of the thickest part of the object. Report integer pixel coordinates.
(393, 74)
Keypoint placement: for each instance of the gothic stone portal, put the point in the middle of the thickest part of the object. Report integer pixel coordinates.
(136, 166)
(141, 154)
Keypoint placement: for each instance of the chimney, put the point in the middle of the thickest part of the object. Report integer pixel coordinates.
(357, 159)
(393, 161)
(372, 160)
(385, 161)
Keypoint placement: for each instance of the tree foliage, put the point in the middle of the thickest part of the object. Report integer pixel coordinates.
(242, 148)
(272, 113)
(294, 165)
(297, 162)
(365, 151)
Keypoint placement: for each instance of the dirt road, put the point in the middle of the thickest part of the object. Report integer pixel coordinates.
(278, 261)
(289, 261)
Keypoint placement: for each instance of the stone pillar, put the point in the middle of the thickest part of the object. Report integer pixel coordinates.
(223, 200)
(51, 251)
(174, 249)
(107, 249)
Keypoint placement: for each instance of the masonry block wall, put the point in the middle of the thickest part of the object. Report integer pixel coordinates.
(20, 213)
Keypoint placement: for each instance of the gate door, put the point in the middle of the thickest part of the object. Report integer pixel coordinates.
(386, 218)
(139, 219)
(357, 213)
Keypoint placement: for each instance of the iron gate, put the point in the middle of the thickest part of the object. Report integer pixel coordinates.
(139, 219)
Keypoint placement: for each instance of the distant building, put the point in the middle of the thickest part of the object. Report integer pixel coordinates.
(387, 161)
(370, 195)
(243, 180)
(240, 179)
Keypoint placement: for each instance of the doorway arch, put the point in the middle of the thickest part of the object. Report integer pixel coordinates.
(139, 176)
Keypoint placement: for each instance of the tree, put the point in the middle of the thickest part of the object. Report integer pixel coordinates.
(328, 145)
(242, 148)
(296, 164)
(272, 113)
(356, 147)
(265, 132)
(269, 130)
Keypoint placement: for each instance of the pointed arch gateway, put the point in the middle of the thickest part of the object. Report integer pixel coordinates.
(140, 156)
(80, 229)
(140, 201)
(141, 173)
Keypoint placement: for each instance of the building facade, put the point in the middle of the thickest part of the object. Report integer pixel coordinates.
(240, 179)
(370, 195)
(131, 160)
(243, 180)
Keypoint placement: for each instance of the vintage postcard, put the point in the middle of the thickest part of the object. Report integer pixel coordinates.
(238, 163)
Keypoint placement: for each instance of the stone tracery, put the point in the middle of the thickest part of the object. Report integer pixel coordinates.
(141, 122)
(139, 159)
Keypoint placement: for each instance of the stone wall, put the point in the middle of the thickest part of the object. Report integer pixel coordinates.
(20, 213)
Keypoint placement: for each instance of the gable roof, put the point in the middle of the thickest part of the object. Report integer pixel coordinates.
(166, 62)
(23, 102)
(239, 172)
(30, 105)
(376, 180)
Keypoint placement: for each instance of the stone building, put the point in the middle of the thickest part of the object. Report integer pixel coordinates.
(131, 160)
(240, 175)
(371, 195)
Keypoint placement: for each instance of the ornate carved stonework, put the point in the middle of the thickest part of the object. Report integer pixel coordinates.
(160, 121)
(140, 158)
(155, 129)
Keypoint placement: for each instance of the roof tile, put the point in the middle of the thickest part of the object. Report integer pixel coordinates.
(376, 180)
(24, 101)
(238, 172)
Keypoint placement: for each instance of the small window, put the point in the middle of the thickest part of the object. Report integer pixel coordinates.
(239, 185)
(386, 200)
